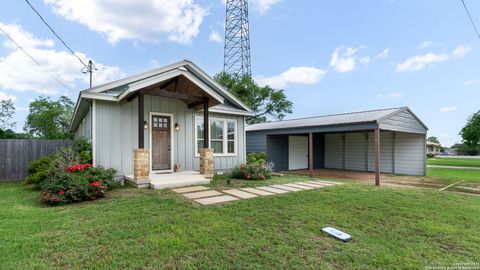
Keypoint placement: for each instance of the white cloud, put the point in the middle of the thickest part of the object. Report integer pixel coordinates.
(471, 81)
(5, 96)
(344, 60)
(448, 109)
(146, 20)
(19, 73)
(215, 37)
(419, 62)
(262, 6)
(384, 54)
(303, 75)
(425, 44)
(461, 51)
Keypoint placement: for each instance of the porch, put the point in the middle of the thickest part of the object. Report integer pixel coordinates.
(169, 180)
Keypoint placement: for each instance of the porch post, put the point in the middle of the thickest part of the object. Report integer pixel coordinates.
(310, 154)
(206, 125)
(377, 156)
(141, 121)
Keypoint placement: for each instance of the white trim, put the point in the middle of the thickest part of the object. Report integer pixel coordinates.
(172, 142)
(225, 111)
(94, 132)
(225, 135)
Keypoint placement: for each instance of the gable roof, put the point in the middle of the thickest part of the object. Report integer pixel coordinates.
(121, 89)
(372, 116)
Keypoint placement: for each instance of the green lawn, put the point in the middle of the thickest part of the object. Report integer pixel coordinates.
(466, 162)
(146, 229)
(469, 176)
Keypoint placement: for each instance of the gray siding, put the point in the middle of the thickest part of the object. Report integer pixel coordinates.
(410, 154)
(403, 121)
(117, 134)
(386, 152)
(85, 127)
(355, 147)
(256, 141)
(277, 151)
(334, 151)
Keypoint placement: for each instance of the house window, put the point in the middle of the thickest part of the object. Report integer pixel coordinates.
(223, 136)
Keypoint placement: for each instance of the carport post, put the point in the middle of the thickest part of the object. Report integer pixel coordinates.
(377, 156)
(310, 154)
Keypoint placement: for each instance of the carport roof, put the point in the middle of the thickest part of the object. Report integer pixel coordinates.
(373, 116)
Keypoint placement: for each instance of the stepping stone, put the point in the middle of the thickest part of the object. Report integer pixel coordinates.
(298, 186)
(257, 191)
(273, 190)
(308, 184)
(201, 194)
(189, 189)
(240, 194)
(286, 187)
(216, 199)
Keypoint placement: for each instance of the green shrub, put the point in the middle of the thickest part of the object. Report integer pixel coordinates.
(39, 170)
(430, 155)
(256, 158)
(83, 148)
(252, 171)
(86, 183)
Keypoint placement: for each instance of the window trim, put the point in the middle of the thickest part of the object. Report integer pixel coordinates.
(225, 135)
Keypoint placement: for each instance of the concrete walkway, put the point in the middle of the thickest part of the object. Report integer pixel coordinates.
(453, 167)
(206, 196)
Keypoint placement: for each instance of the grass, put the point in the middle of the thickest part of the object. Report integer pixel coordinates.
(449, 175)
(146, 229)
(465, 162)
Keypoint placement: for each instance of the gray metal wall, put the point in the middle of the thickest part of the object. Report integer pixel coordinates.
(334, 154)
(117, 134)
(403, 121)
(277, 151)
(16, 154)
(410, 154)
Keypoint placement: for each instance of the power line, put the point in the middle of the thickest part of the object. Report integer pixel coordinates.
(53, 31)
(33, 59)
(471, 20)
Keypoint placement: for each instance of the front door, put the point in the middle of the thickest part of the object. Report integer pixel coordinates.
(161, 142)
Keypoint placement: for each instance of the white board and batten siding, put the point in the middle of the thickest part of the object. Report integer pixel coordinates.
(297, 152)
(85, 127)
(117, 134)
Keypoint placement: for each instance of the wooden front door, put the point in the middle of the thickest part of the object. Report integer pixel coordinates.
(161, 142)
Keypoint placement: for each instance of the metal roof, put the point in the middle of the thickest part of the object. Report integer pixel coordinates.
(372, 116)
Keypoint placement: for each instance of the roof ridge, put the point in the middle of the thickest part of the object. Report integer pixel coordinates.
(328, 115)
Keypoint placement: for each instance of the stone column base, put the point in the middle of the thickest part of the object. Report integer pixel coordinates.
(140, 164)
(207, 165)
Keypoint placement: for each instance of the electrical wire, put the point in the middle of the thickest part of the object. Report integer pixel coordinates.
(471, 20)
(33, 59)
(53, 31)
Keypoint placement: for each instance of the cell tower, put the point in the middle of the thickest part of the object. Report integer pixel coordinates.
(237, 41)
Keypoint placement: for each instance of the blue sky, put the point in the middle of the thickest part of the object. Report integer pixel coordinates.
(329, 56)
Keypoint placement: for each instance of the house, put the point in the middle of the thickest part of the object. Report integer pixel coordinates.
(433, 148)
(150, 127)
(388, 140)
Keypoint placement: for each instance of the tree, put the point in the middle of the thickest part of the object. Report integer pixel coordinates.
(471, 133)
(49, 119)
(7, 109)
(265, 101)
(433, 139)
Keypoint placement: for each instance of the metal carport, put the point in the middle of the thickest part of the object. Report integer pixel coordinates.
(383, 141)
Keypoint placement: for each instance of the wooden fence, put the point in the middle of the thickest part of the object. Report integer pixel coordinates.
(16, 154)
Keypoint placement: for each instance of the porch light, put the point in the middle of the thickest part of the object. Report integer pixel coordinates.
(145, 124)
(177, 127)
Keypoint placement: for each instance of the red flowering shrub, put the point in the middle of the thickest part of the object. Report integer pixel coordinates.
(78, 167)
(78, 183)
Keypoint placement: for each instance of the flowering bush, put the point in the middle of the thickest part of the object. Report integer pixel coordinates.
(77, 183)
(78, 167)
(253, 171)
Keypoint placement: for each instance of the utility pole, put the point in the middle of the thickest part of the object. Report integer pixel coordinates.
(89, 69)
